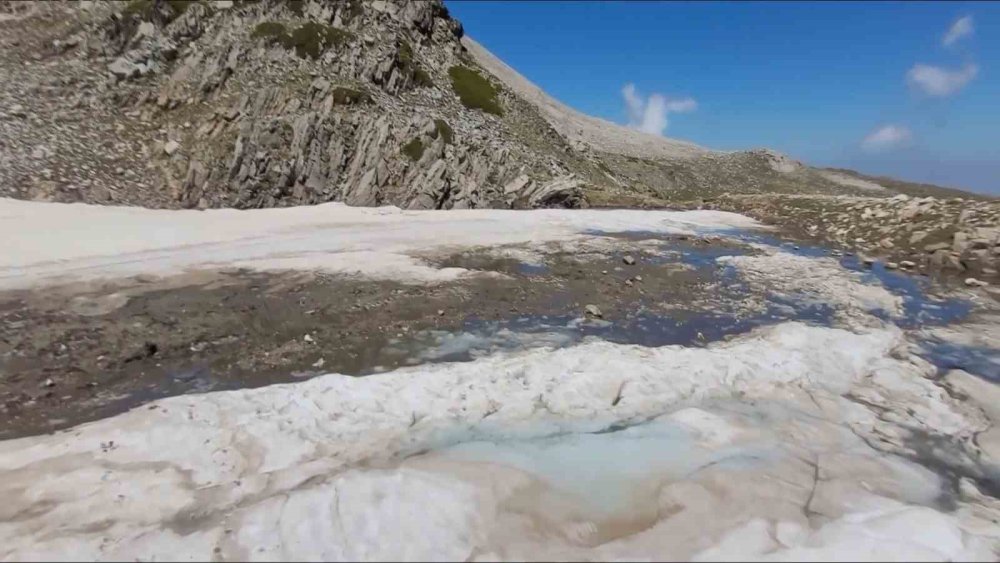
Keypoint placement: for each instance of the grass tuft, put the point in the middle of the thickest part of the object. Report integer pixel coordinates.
(444, 130)
(475, 91)
(308, 40)
(414, 149)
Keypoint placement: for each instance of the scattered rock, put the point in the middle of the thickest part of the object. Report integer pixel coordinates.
(973, 282)
(960, 242)
(628, 260)
(593, 311)
(171, 147)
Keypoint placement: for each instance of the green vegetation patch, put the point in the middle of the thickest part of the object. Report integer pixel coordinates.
(308, 40)
(311, 39)
(409, 65)
(444, 130)
(273, 32)
(296, 7)
(404, 54)
(414, 149)
(422, 79)
(475, 91)
(355, 9)
(348, 96)
(143, 9)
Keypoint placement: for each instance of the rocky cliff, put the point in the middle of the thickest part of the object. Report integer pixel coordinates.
(261, 104)
(188, 103)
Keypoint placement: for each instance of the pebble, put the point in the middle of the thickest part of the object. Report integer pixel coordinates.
(628, 260)
(907, 264)
(891, 265)
(308, 338)
(49, 383)
(973, 282)
(593, 311)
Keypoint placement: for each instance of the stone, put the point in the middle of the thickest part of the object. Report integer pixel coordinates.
(48, 383)
(628, 260)
(973, 282)
(960, 242)
(910, 211)
(907, 264)
(123, 68)
(918, 236)
(593, 311)
(954, 262)
(932, 248)
(891, 265)
(171, 147)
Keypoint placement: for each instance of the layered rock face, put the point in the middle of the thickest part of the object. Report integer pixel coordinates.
(268, 103)
(272, 103)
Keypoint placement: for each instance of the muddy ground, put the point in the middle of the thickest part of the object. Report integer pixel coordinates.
(76, 353)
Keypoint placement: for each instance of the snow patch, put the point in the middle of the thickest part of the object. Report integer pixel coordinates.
(814, 280)
(276, 472)
(55, 242)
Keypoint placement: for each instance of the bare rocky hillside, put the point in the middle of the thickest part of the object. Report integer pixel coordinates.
(261, 104)
(198, 104)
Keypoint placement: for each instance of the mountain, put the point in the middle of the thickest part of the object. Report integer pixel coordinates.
(196, 104)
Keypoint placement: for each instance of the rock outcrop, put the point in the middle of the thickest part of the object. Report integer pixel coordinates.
(273, 103)
(197, 104)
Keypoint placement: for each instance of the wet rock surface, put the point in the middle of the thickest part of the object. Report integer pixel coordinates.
(954, 238)
(120, 344)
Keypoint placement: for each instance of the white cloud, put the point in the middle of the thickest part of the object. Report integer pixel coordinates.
(650, 115)
(887, 137)
(938, 81)
(961, 28)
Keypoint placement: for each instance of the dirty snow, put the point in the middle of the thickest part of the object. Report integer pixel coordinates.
(563, 453)
(54, 242)
(813, 280)
(790, 442)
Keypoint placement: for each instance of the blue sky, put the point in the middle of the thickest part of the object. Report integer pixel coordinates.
(873, 86)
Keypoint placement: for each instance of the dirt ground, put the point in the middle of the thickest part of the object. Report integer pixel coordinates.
(82, 352)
